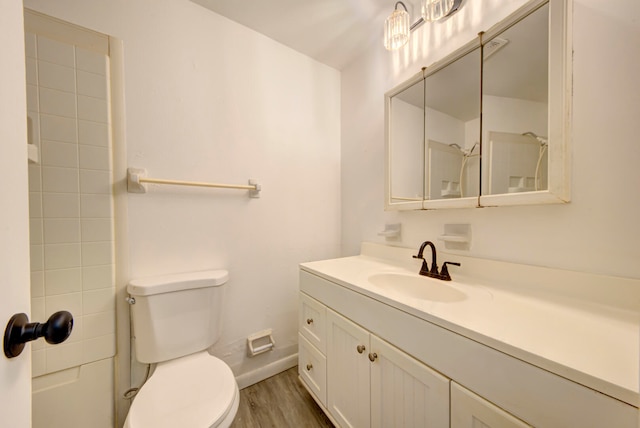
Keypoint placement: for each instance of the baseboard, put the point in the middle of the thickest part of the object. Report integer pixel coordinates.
(271, 369)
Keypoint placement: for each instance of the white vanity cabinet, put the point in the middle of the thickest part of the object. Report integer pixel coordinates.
(469, 410)
(369, 383)
(312, 339)
(426, 375)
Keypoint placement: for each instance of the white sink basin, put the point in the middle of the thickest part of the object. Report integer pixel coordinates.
(417, 287)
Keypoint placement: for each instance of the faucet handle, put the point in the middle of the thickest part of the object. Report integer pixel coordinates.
(445, 271)
(424, 269)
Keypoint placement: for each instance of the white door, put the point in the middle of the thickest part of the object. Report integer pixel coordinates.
(15, 373)
(405, 392)
(348, 382)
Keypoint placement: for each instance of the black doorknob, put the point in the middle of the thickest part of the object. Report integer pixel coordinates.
(19, 331)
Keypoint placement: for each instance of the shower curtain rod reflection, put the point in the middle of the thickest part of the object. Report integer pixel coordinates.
(136, 179)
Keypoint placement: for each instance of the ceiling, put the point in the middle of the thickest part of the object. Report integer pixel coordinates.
(333, 32)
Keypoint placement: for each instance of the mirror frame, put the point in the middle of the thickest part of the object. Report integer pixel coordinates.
(559, 104)
(388, 204)
(559, 115)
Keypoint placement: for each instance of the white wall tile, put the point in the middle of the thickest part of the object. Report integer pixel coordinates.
(63, 180)
(59, 103)
(93, 157)
(61, 205)
(91, 84)
(62, 256)
(102, 300)
(30, 45)
(35, 204)
(99, 324)
(63, 281)
(71, 302)
(96, 230)
(36, 257)
(35, 178)
(95, 206)
(55, 153)
(58, 128)
(58, 278)
(64, 356)
(93, 133)
(95, 277)
(61, 230)
(56, 77)
(38, 362)
(31, 68)
(32, 101)
(92, 109)
(56, 52)
(91, 61)
(99, 348)
(38, 312)
(96, 253)
(77, 333)
(37, 284)
(35, 231)
(92, 181)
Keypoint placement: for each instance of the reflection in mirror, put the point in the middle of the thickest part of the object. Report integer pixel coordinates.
(452, 129)
(406, 131)
(515, 107)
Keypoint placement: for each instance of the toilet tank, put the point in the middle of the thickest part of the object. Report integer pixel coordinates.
(176, 315)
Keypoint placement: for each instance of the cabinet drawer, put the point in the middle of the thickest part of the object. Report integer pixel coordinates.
(312, 368)
(312, 321)
(469, 410)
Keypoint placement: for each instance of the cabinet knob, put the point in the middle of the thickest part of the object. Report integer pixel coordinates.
(309, 367)
(360, 349)
(373, 357)
(309, 320)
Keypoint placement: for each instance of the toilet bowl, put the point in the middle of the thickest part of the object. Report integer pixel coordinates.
(194, 391)
(175, 319)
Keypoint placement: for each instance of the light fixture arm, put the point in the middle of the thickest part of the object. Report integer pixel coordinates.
(415, 24)
(403, 5)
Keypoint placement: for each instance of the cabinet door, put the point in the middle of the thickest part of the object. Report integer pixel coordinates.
(469, 410)
(347, 372)
(405, 392)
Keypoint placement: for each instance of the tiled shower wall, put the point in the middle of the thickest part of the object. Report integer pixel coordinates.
(71, 204)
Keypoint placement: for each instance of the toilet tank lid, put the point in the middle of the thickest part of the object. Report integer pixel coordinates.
(177, 282)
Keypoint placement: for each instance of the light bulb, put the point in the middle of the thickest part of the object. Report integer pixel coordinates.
(433, 10)
(396, 29)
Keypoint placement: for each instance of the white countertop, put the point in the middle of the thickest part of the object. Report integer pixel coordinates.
(585, 327)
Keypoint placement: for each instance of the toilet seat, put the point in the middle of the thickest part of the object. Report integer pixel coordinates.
(196, 391)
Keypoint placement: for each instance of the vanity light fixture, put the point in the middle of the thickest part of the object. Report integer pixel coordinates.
(433, 10)
(397, 28)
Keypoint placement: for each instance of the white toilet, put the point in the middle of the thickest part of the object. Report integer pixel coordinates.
(175, 319)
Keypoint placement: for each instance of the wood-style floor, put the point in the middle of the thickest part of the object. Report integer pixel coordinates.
(280, 401)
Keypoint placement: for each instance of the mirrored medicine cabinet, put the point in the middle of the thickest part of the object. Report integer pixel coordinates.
(489, 124)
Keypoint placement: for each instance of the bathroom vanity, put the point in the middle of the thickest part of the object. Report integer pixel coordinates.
(503, 344)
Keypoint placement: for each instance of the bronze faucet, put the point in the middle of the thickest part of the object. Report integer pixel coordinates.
(433, 273)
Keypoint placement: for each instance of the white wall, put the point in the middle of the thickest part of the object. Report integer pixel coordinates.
(598, 231)
(209, 100)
